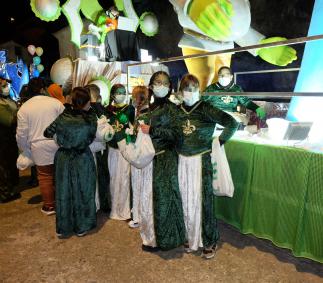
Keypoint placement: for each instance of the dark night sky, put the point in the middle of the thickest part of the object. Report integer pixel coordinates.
(272, 18)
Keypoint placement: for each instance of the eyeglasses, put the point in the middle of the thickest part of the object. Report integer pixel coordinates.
(159, 83)
(225, 76)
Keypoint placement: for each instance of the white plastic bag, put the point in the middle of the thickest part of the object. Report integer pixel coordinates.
(140, 153)
(24, 161)
(104, 131)
(222, 180)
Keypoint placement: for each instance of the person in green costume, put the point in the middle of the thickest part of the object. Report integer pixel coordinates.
(230, 103)
(197, 120)
(100, 153)
(75, 173)
(9, 175)
(121, 114)
(162, 221)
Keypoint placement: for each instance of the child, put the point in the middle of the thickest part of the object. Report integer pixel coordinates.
(75, 174)
(120, 115)
(197, 119)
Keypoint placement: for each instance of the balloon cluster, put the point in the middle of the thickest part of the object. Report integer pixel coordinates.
(35, 68)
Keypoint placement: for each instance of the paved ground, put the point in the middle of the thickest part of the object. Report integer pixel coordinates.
(30, 252)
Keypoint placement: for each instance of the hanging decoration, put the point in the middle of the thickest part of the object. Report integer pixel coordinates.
(46, 10)
(148, 24)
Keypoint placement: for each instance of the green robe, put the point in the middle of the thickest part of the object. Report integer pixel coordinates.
(75, 172)
(168, 210)
(102, 168)
(228, 103)
(197, 124)
(9, 175)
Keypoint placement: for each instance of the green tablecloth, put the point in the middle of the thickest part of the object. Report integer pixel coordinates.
(278, 196)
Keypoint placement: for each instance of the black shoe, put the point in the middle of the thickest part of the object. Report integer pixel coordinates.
(11, 198)
(150, 249)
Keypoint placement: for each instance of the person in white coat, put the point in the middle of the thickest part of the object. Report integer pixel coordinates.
(33, 118)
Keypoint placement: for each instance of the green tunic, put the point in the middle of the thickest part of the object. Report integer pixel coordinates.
(119, 119)
(197, 126)
(168, 210)
(75, 172)
(228, 103)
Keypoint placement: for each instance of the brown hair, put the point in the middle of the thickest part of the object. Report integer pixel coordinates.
(94, 92)
(140, 94)
(186, 80)
(80, 96)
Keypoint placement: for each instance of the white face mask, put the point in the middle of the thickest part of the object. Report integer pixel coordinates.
(190, 98)
(119, 98)
(5, 90)
(225, 81)
(160, 91)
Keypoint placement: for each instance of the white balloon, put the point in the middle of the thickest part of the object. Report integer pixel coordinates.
(61, 71)
(47, 8)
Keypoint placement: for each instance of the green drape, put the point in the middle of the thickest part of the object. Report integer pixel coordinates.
(277, 196)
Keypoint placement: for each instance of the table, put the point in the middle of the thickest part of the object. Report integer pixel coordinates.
(278, 196)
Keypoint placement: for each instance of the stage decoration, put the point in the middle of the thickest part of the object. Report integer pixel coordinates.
(62, 71)
(214, 25)
(148, 24)
(309, 109)
(71, 10)
(49, 10)
(46, 10)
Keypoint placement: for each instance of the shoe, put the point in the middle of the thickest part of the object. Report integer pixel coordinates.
(11, 198)
(187, 248)
(48, 210)
(133, 224)
(209, 253)
(150, 249)
(82, 234)
(59, 236)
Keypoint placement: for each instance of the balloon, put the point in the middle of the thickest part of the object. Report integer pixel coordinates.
(61, 71)
(36, 60)
(35, 74)
(39, 51)
(40, 68)
(148, 23)
(46, 10)
(31, 49)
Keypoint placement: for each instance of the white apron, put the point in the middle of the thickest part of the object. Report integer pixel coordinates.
(119, 170)
(190, 186)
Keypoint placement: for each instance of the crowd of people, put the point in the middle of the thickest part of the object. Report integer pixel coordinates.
(73, 142)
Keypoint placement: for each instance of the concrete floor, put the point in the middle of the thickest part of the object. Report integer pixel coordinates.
(30, 252)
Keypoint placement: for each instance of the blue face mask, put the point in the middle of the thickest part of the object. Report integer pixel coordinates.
(160, 91)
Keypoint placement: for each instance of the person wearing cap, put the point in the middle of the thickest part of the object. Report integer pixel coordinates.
(9, 176)
(54, 90)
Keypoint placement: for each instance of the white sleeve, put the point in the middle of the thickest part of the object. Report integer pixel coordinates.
(22, 132)
(252, 37)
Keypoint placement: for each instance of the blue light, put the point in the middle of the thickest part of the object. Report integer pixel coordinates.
(310, 77)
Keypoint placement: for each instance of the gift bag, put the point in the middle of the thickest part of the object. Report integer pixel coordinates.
(140, 153)
(222, 180)
(24, 161)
